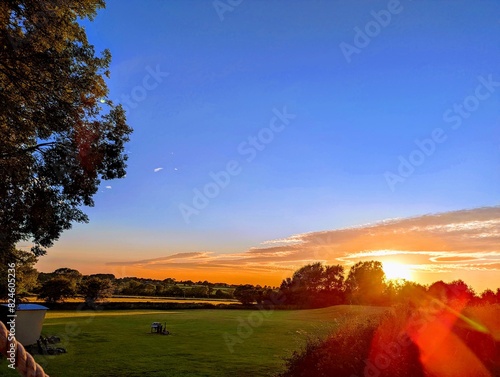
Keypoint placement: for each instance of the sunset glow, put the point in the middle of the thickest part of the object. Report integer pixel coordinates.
(250, 188)
(394, 270)
(422, 249)
(261, 146)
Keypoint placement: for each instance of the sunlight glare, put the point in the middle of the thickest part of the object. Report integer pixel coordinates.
(394, 270)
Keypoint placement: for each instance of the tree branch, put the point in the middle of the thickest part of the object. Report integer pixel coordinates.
(26, 150)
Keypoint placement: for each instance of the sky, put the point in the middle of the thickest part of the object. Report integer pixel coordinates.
(264, 127)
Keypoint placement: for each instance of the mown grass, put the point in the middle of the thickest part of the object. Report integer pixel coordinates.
(119, 343)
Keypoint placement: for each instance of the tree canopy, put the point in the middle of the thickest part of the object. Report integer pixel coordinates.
(315, 285)
(246, 294)
(366, 283)
(57, 289)
(60, 135)
(96, 289)
(26, 274)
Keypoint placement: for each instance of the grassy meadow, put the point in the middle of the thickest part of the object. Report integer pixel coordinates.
(119, 343)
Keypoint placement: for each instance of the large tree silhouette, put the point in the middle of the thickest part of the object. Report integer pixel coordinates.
(315, 285)
(366, 283)
(59, 133)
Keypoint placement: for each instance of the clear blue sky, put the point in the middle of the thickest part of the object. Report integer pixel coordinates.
(328, 167)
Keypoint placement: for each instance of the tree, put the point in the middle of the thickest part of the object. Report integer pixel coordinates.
(173, 290)
(400, 291)
(334, 278)
(366, 283)
(210, 289)
(25, 273)
(309, 277)
(59, 133)
(488, 297)
(220, 294)
(315, 285)
(246, 294)
(439, 291)
(103, 276)
(334, 288)
(259, 294)
(304, 285)
(96, 289)
(74, 276)
(460, 292)
(70, 273)
(57, 289)
(132, 287)
(148, 289)
(198, 291)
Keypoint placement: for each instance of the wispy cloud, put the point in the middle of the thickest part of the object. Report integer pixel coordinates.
(284, 241)
(467, 240)
(156, 170)
(178, 258)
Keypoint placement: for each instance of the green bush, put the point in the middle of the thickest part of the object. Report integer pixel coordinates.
(407, 341)
(342, 354)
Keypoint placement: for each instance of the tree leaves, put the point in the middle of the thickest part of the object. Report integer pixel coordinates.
(59, 134)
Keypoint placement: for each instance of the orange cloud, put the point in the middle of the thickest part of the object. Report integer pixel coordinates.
(459, 241)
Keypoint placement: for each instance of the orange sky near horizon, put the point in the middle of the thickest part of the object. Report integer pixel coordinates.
(447, 246)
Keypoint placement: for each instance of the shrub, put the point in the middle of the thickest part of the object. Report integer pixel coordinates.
(57, 289)
(342, 354)
(431, 340)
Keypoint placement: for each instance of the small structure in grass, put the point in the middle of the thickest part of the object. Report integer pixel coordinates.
(158, 328)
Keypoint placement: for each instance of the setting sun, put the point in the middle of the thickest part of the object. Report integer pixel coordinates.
(394, 270)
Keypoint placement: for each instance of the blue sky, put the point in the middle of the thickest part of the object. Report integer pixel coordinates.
(327, 168)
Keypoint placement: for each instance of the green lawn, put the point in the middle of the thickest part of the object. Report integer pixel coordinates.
(119, 343)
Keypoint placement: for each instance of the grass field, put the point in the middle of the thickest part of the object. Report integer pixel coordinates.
(119, 343)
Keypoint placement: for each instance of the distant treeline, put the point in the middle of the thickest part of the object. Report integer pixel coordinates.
(133, 286)
(317, 285)
(311, 286)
